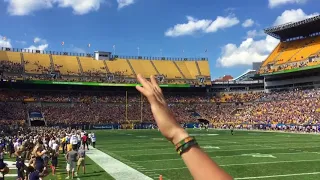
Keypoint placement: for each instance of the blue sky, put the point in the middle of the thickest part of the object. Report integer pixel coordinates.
(230, 30)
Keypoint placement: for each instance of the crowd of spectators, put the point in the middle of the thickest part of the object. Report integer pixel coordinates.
(290, 107)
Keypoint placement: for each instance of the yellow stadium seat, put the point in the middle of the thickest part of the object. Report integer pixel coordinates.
(191, 65)
(204, 68)
(273, 55)
(14, 57)
(120, 66)
(36, 63)
(308, 50)
(144, 67)
(184, 69)
(167, 68)
(67, 65)
(92, 67)
(292, 51)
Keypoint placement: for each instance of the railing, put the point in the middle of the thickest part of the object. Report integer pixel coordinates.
(92, 55)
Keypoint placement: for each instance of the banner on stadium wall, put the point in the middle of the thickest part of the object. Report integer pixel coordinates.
(108, 126)
(36, 115)
(103, 84)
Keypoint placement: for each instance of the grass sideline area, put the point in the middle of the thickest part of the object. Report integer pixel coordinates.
(246, 155)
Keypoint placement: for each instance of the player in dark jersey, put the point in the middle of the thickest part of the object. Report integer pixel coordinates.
(231, 130)
(3, 166)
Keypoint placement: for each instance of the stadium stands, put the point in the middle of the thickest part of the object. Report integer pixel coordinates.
(299, 46)
(77, 108)
(168, 69)
(13, 57)
(120, 67)
(92, 67)
(66, 65)
(82, 67)
(36, 63)
(204, 68)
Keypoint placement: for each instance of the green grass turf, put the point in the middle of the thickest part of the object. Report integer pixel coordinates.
(149, 151)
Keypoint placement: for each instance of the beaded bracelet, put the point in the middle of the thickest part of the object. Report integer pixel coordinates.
(184, 148)
(184, 141)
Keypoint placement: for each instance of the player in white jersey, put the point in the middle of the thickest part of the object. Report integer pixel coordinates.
(74, 141)
(93, 140)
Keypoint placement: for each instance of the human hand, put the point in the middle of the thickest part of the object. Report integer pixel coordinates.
(163, 116)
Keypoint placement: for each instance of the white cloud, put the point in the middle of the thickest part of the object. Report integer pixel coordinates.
(293, 16)
(255, 33)
(38, 40)
(222, 23)
(275, 3)
(5, 43)
(80, 7)
(27, 7)
(193, 25)
(40, 47)
(248, 23)
(204, 25)
(124, 3)
(247, 52)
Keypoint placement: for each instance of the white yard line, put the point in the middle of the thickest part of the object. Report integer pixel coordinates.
(280, 175)
(115, 168)
(244, 164)
(221, 150)
(214, 157)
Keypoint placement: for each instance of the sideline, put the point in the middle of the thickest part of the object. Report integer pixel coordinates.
(115, 168)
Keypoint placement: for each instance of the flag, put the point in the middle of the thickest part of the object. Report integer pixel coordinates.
(4, 38)
(89, 45)
(62, 43)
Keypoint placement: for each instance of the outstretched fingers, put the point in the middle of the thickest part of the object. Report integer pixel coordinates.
(155, 83)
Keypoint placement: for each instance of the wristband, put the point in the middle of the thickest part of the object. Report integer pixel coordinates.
(184, 141)
(184, 148)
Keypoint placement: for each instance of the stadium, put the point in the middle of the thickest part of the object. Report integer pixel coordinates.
(264, 124)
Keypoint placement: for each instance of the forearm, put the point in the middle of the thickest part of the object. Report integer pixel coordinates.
(200, 165)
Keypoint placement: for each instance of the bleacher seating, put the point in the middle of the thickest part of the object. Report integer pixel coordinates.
(36, 63)
(168, 69)
(192, 68)
(92, 67)
(204, 68)
(89, 69)
(184, 69)
(120, 66)
(14, 57)
(292, 52)
(66, 65)
(144, 67)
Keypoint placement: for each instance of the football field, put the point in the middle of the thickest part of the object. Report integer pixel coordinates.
(245, 155)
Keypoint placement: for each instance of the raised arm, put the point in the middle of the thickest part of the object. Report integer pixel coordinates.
(200, 165)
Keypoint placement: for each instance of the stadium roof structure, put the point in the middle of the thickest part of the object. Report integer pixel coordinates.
(296, 29)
